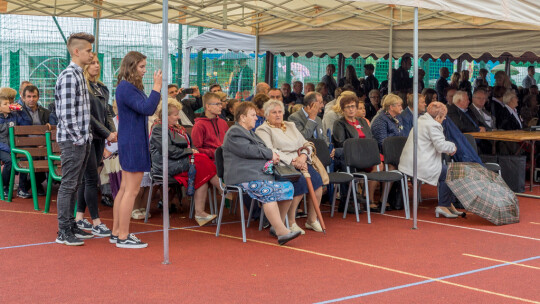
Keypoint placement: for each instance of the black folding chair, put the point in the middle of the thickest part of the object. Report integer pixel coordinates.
(362, 153)
(392, 148)
(335, 178)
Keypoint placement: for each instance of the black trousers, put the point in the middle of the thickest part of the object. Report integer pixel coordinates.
(88, 191)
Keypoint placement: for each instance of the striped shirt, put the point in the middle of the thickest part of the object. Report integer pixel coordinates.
(72, 102)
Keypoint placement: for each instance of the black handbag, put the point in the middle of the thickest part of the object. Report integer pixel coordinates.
(285, 173)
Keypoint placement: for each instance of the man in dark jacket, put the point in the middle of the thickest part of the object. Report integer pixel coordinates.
(459, 113)
(401, 81)
(442, 84)
(39, 116)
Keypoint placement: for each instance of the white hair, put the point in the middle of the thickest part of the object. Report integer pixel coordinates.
(270, 105)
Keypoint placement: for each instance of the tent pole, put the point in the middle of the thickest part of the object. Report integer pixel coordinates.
(179, 61)
(185, 68)
(256, 72)
(415, 121)
(96, 35)
(164, 130)
(390, 50)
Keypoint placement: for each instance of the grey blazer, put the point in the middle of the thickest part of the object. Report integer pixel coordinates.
(481, 118)
(307, 127)
(244, 156)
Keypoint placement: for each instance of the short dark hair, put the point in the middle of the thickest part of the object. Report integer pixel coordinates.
(347, 99)
(260, 99)
(172, 85)
(243, 108)
(79, 36)
(480, 90)
(310, 98)
(369, 66)
(30, 88)
(214, 86)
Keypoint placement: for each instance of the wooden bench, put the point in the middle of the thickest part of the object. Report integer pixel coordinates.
(28, 143)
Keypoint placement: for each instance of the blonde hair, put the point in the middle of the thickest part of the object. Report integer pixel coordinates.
(8, 93)
(171, 105)
(85, 71)
(337, 107)
(389, 100)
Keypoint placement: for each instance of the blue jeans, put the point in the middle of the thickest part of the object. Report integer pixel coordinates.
(73, 158)
(446, 197)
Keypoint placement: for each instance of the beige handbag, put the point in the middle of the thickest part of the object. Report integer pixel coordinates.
(317, 164)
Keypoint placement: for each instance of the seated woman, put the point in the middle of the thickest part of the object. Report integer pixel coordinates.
(361, 111)
(284, 139)
(529, 111)
(389, 122)
(245, 157)
(180, 152)
(351, 126)
(334, 113)
(431, 144)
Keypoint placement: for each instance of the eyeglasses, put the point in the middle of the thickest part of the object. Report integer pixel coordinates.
(349, 107)
(214, 104)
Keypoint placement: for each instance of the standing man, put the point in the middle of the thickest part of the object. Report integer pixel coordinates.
(329, 80)
(39, 116)
(370, 83)
(72, 102)
(442, 84)
(242, 81)
(172, 90)
(401, 81)
(307, 121)
(529, 80)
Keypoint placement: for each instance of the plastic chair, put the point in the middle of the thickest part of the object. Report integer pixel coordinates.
(392, 148)
(361, 153)
(335, 178)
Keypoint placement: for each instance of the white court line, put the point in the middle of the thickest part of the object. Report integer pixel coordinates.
(469, 228)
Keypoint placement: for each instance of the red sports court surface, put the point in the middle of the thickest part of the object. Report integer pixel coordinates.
(444, 261)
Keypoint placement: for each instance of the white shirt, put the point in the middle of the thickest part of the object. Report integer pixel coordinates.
(487, 117)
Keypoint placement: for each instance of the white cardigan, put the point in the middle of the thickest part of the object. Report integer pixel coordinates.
(431, 144)
(285, 144)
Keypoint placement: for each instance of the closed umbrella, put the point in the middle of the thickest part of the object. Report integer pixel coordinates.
(483, 192)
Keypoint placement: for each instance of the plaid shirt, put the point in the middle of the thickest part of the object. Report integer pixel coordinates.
(72, 102)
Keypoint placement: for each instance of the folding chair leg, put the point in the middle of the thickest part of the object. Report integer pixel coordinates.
(355, 202)
(287, 221)
(334, 195)
(2, 196)
(345, 208)
(242, 217)
(405, 200)
(261, 219)
(366, 189)
(210, 201)
(250, 212)
(220, 214)
(305, 205)
(386, 191)
(148, 202)
(48, 195)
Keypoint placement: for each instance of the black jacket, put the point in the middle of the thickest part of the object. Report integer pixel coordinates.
(190, 105)
(178, 152)
(508, 121)
(43, 114)
(343, 131)
(466, 122)
(101, 119)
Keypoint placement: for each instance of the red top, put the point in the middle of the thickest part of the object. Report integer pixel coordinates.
(358, 128)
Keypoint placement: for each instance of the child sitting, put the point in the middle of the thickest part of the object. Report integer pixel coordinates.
(9, 118)
(180, 152)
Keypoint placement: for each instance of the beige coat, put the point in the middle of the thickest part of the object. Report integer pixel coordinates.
(285, 144)
(431, 144)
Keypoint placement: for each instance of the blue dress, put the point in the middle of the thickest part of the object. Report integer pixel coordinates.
(134, 107)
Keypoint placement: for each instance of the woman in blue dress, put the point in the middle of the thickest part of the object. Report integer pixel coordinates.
(134, 107)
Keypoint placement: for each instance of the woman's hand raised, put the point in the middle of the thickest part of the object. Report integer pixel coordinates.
(158, 75)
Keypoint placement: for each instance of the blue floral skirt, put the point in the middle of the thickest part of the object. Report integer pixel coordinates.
(268, 191)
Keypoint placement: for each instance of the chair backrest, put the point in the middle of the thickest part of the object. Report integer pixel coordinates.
(361, 153)
(30, 138)
(472, 141)
(322, 151)
(392, 148)
(219, 162)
